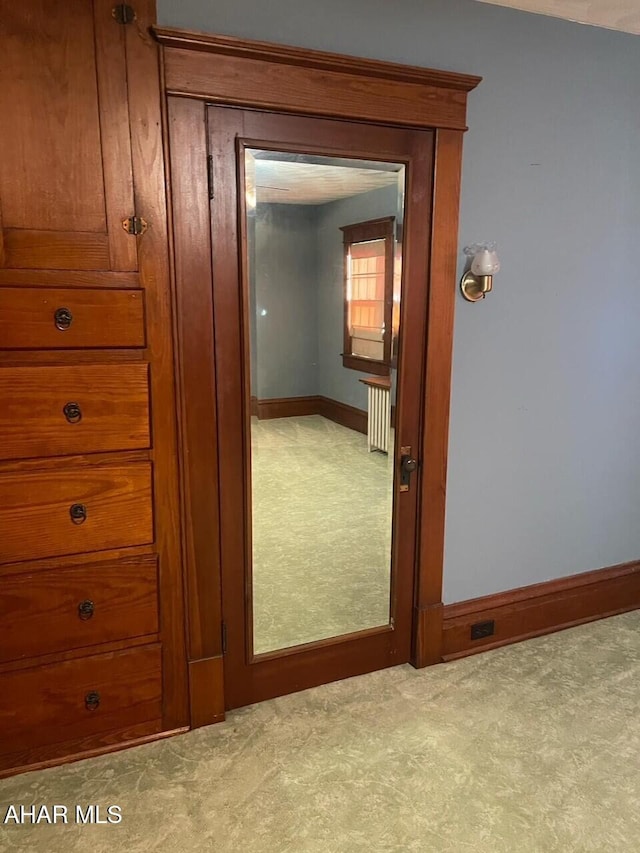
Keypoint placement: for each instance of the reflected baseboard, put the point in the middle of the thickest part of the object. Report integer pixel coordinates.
(295, 407)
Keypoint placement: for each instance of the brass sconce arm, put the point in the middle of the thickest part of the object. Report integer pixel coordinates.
(478, 281)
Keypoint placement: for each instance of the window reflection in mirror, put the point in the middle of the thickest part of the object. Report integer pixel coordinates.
(323, 272)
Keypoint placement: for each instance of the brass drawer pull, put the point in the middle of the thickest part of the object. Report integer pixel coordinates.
(72, 412)
(86, 609)
(78, 513)
(92, 700)
(63, 318)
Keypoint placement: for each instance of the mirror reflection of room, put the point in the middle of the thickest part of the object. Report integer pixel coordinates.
(323, 303)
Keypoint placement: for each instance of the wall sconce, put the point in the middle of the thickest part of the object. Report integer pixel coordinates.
(478, 281)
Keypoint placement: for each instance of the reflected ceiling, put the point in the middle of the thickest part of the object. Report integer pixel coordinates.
(306, 183)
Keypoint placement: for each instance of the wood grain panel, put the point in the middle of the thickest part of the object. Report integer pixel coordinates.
(531, 611)
(47, 705)
(39, 613)
(35, 518)
(196, 379)
(256, 74)
(30, 249)
(100, 319)
(114, 135)
(435, 442)
(206, 691)
(145, 120)
(68, 278)
(48, 92)
(113, 403)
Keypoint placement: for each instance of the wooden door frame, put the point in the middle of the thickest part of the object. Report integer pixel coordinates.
(199, 69)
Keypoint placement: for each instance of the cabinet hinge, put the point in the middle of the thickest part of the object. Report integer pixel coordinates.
(123, 13)
(210, 175)
(224, 638)
(135, 225)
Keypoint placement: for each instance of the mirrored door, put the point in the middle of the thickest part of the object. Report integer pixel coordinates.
(319, 395)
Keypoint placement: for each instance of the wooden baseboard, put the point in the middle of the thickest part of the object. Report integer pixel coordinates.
(294, 407)
(287, 407)
(206, 691)
(427, 647)
(543, 608)
(341, 413)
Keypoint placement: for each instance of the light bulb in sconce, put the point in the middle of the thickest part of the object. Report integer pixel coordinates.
(476, 283)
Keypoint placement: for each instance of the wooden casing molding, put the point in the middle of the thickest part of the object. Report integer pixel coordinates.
(227, 71)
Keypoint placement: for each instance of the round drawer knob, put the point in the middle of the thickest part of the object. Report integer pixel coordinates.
(63, 318)
(86, 609)
(72, 412)
(78, 513)
(92, 700)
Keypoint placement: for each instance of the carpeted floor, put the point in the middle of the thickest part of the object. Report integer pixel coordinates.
(529, 749)
(321, 531)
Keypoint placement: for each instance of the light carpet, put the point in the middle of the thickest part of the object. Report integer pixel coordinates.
(321, 531)
(532, 748)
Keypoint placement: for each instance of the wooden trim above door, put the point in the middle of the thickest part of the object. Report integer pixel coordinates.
(233, 71)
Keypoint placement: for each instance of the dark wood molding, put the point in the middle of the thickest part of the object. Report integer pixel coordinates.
(427, 634)
(295, 407)
(89, 748)
(287, 407)
(195, 377)
(543, 608)
(206, 690)
(365, 365)
(437, 389)
(229, 70)
(146, 127)
(343, 414)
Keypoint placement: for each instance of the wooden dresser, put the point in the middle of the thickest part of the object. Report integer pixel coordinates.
(92, 649)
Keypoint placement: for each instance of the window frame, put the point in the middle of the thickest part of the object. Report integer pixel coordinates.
(362, 232)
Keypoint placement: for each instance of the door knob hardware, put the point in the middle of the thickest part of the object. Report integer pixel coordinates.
(408, 464)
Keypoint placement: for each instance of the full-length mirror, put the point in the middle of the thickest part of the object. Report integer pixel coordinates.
(323, 259)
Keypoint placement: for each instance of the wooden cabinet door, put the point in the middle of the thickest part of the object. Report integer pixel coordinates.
(65, 155)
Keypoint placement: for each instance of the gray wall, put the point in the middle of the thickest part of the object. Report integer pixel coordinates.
(335, 381)
(544, 475)
(285, 345)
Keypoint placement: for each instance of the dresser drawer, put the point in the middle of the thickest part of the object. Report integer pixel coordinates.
(74, 510)
(67, 318)
(52, 411)
(78, 698)
(76, 606)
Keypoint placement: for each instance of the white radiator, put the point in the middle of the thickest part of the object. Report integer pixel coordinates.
(379, 421)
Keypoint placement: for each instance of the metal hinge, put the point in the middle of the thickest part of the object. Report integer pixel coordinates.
(123, 13)
(210, 175)
(135, 225)
(224, 638)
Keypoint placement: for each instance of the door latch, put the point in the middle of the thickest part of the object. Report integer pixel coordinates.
(407, 466)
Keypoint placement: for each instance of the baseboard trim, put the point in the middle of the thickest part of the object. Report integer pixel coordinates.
(341, 413)
(531, 611)
(206, 691)
(287, 407)
(295, 407)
